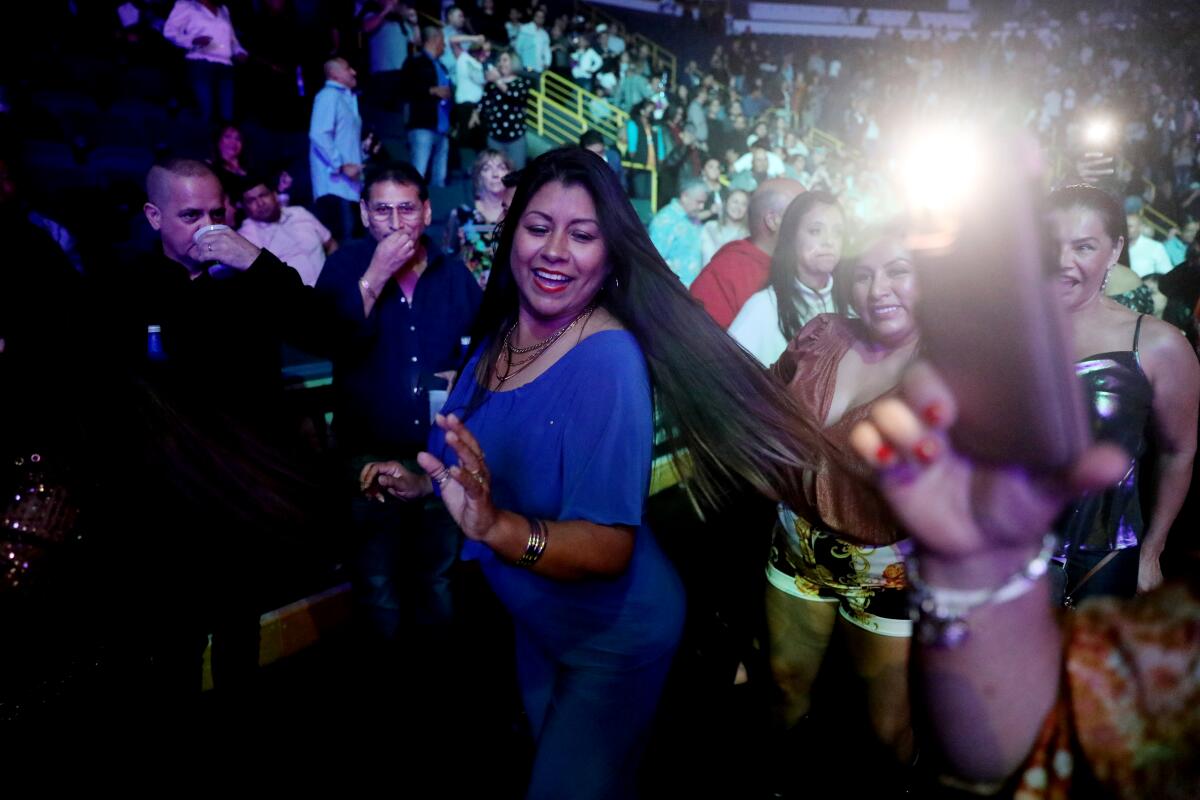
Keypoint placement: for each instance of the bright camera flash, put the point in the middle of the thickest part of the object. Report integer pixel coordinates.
(941, 167)
(1099, 131)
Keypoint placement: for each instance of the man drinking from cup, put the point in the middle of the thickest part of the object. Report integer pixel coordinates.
(218, 481)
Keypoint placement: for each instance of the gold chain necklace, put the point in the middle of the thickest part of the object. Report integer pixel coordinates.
(540, 348)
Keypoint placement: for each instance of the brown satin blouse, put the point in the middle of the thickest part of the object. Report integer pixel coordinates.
(839, 494)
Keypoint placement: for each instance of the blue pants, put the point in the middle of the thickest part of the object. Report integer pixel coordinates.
(339, 215)
(429, 150)
(590, 722)
(401, 575)
(212, 84)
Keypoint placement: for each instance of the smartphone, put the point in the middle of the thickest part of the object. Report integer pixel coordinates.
(991, 323)
(1095, 153)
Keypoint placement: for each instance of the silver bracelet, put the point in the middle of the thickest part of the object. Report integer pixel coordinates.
(940, 613)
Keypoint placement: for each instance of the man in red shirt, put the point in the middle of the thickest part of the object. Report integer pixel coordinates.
(740, 268)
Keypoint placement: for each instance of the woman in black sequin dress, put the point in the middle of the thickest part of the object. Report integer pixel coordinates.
(1142, 383)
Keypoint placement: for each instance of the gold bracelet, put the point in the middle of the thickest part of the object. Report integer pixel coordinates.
(366, 287)
(538, 534)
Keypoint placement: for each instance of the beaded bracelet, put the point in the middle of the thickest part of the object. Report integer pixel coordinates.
(538, 534)
(940, 613)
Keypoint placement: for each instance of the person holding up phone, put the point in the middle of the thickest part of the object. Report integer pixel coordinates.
(1142, 381)
(1024, 702)
(839, 553)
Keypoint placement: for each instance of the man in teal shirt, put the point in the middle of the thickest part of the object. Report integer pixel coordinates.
(675, 231)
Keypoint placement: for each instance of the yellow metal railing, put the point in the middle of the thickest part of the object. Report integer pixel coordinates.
(819, 138)
(561, 111)
(660, 55)
(1159, 222)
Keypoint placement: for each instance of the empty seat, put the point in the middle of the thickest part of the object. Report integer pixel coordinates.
(132, 124)
(40, 154)
(122, 164)
(146, 83)
(62, 104)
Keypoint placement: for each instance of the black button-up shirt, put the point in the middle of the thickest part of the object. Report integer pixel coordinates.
(385, 364)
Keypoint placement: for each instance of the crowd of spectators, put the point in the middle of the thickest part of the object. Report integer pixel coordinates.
(756, 104)
(398, 106)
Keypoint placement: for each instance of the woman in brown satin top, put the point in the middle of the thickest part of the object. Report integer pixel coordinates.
(841, 555)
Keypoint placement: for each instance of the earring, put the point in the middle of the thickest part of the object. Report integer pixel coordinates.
(1104, 283)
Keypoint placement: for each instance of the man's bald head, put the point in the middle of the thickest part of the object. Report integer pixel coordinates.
(161, 177)
(767, 205)
(184, 196)
(339, 70)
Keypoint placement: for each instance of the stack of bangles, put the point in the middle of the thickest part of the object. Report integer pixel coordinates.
(538, 534)
(940, 613)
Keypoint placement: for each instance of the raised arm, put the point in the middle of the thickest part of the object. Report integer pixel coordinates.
(977, 529)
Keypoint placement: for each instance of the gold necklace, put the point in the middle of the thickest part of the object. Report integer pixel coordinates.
(541, 347)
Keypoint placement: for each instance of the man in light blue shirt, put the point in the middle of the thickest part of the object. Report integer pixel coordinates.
(335, 150)
(675, 231)
(533, 44)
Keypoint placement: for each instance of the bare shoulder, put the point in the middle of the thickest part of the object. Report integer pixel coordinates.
(601, 320)
(1166, 352)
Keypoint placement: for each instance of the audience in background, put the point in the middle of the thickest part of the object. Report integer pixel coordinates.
(336, 149)
(734, 139)
(203, 29)
(291, 233)
(675, 231)
(430, 99)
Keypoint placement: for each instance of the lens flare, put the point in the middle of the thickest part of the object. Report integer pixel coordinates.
(1099, 132)
(941, 167)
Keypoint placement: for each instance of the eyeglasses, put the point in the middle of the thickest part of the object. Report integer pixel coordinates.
(383, 211)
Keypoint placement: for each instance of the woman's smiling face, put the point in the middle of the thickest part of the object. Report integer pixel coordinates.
(559, 259)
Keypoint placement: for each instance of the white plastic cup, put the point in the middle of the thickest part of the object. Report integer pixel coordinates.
(207, 229)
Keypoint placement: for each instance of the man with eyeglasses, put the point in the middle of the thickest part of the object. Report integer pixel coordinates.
(402, 308)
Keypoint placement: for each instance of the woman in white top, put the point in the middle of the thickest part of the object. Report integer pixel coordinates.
(469, 79)
(801, 281)
(585, 63)
(205, 32)
(732, 225)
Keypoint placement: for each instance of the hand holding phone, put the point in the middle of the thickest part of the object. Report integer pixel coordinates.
(990, 322)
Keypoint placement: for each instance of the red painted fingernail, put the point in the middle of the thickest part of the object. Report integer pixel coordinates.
(885, 455)
(934, 413)
(926, 451)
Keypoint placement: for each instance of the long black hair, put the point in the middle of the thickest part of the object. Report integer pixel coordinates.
(783, 262)
(713, 399)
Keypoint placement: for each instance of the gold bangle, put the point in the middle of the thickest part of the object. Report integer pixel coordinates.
(538, 534)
